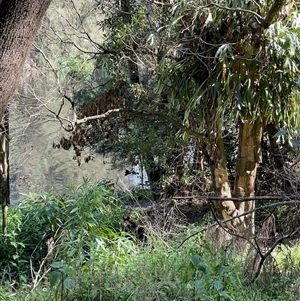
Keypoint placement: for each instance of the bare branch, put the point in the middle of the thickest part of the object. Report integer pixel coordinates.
(100, 116)
(55, 74)
(245, 199)
(258, 17)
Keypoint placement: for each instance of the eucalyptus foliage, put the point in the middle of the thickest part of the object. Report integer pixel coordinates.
(209, 62)
(222, 66)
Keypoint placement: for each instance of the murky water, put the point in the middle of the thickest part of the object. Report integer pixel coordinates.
(35, 166)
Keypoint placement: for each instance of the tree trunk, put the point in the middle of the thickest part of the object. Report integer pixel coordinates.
(249, 155)
(221, 183)
(4, 170)
(126, 8)
(154, 173)
(220, 172)
(19, 22)
(278, 157)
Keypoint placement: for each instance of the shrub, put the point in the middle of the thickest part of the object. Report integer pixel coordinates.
(69, 225)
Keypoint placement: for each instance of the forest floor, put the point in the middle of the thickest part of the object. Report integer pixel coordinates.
(182, 209)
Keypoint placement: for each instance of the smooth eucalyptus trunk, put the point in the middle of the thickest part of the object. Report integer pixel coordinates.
(221, 184)
(220, 172)
(249, 155)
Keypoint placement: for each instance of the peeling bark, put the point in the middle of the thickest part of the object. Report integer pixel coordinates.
(249, 155)
(221, 182)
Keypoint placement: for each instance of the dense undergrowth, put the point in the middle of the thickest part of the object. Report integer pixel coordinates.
(75, 248)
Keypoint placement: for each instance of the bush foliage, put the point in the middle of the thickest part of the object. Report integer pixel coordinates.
(74, 247)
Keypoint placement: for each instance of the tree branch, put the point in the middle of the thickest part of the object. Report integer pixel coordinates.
(244, 199)
(55, 75)
(273, 12)
(149, 115)
(237, 9)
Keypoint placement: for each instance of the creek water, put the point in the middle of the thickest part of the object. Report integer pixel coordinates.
(35, 166)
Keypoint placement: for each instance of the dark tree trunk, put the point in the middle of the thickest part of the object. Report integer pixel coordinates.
(277, 156)
(275, 152)
(154, 173)
(19, 22)
(4, 169)
(126, 8)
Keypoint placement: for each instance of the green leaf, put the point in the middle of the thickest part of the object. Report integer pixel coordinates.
(200, 265)
(14, 244)
(295, 143)
(226, 295)
(198, 284)
(69, 283)
(223, 50)
(217, 285)
(57, 264)
(200, 289)
(54, 277)
(74, 210)
(223, 269)
(195, 260)
(280, 133)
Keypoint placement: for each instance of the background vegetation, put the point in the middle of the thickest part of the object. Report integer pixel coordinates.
(75, 247)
